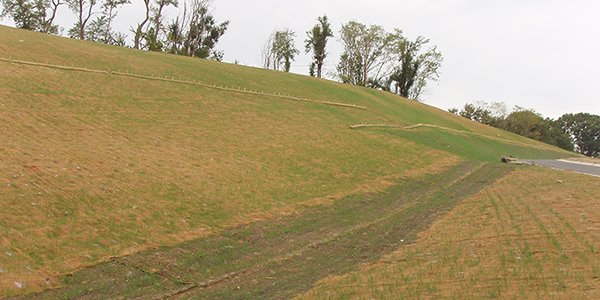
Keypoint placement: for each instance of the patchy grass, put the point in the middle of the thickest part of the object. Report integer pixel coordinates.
(279, 258)
(533, 234)
(94, 165)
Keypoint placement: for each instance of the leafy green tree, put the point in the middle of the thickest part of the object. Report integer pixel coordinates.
(36, 15)
(476, 113)
(175, 37)
(552, 134)
(492, 114)
(388, 61)
(285, 48)
(25, 13)
(152, 43)
(363, 49)
(584, 128)
(412, 69)
(279, 50)
(525, 122)
(317, 42)
(195, 33)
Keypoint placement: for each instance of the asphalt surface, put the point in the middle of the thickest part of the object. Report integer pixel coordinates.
(584, 168)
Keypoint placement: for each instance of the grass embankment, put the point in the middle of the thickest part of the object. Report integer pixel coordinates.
(533, 234)
(94, 165)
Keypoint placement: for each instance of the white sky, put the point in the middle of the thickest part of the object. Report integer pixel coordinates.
(539, 54)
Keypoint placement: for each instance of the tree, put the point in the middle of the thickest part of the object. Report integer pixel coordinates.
(267, 53)
(411, 68)
(100, 29)
(36, 15)
(203, 32)
(552, 134)
(477, 113)
(492, 114)
(584, 128)
(387, 61)
(139, 31)
(194, 33)
(175, 37)
(152, 35)
(363, 47)
(285, 49)
(25, 13)
(525, 122)
(84, 11)
(317, 42)
(279, 50)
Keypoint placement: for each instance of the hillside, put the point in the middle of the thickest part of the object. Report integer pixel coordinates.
(106, 151)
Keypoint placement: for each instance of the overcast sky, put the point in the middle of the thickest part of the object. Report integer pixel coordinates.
(539, 54)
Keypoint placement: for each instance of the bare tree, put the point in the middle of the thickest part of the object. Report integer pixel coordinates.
(267, 55)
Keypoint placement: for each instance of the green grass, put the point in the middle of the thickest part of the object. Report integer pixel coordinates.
(131, 163)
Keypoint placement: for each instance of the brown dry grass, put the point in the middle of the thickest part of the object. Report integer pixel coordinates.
(534, 234)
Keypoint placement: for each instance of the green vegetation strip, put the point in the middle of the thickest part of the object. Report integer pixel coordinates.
(283, 257)
(363, 125)
(193, 82)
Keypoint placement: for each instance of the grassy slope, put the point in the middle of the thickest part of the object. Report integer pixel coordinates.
(94, 165)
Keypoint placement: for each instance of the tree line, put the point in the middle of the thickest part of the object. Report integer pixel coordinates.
(372, 57)
(195, 32)
(574, 132)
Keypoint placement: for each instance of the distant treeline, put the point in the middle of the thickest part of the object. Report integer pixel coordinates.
(575, 132)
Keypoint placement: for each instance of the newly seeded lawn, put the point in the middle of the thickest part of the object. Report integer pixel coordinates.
(533, 234)
(279, 258)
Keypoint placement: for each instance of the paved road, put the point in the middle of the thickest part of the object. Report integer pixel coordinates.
(589, 169)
